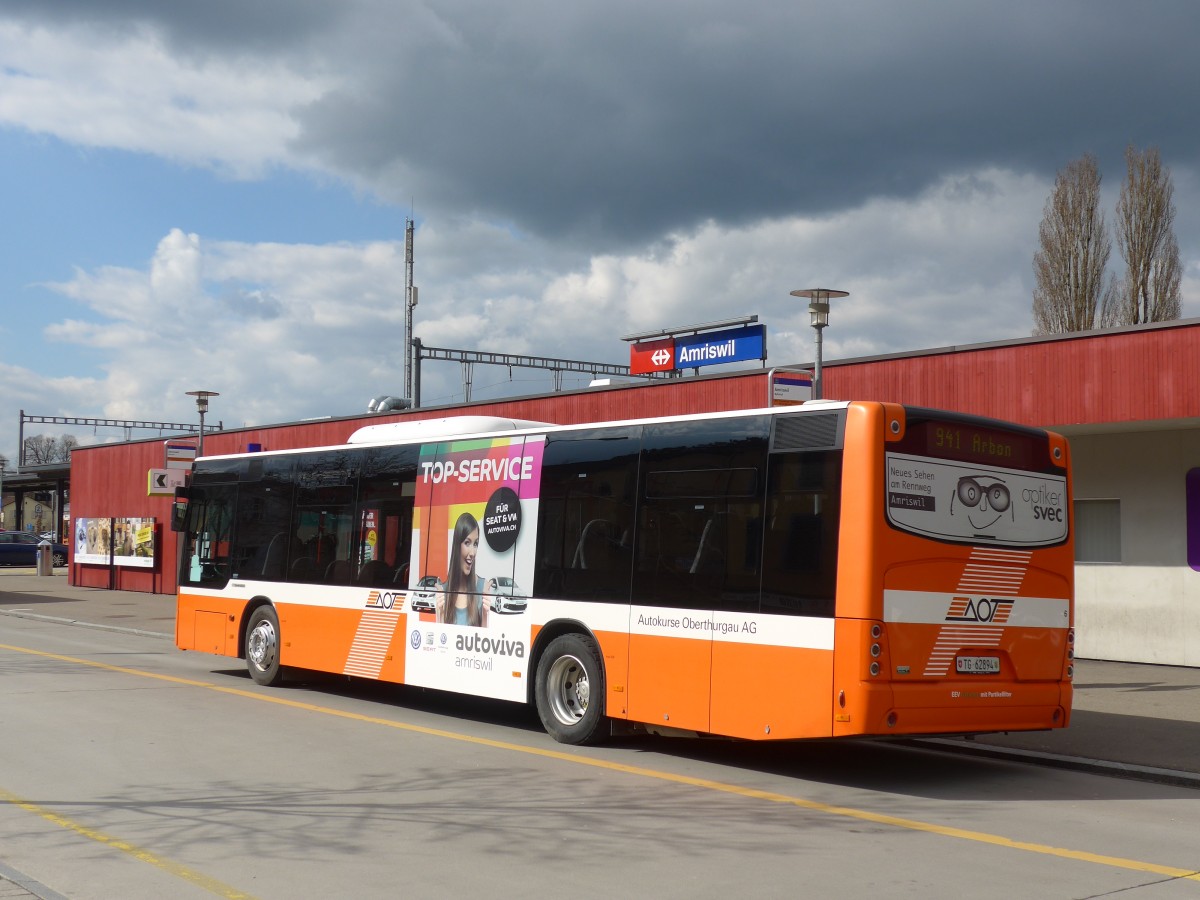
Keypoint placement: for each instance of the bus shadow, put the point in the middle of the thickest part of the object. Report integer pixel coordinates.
(907, 766)
(985, 769)
(441, 704)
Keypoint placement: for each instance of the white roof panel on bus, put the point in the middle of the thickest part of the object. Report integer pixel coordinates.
(428, 429)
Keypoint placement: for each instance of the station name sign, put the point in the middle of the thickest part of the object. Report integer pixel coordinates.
(696, 350)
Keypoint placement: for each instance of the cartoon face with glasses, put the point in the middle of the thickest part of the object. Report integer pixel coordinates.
(986, 500)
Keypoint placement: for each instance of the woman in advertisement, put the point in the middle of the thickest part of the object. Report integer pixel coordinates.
(463, 602)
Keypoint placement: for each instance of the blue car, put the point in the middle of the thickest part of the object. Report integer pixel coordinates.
(19, 548)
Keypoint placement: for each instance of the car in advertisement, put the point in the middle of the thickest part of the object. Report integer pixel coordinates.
(424, 596)
(508, 598)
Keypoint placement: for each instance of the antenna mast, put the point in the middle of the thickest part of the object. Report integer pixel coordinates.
(410, 301)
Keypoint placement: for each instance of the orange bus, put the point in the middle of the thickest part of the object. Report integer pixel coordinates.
(835, 569)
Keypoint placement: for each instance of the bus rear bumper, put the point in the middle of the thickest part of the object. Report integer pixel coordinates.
(960, 707)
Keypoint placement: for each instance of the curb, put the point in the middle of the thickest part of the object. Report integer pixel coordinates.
(1152, 774)
(59, 620)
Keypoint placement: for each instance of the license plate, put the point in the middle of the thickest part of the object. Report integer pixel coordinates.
(977, 665)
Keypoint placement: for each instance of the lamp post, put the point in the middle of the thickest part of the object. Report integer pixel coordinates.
(818, 313)
(202, 406)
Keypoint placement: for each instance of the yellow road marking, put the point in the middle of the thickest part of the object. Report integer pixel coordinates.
(212, 885)
(981, 837)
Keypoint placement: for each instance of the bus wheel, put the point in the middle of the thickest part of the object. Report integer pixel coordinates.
(570, 690)
(262, 646)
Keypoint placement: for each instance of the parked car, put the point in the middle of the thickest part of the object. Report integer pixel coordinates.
(507, 599)
(424, 596)
(19, 548)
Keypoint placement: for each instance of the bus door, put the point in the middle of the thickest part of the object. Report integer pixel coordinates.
(696, 570)
(776, 681)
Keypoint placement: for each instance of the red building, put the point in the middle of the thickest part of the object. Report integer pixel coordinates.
(1128, 398)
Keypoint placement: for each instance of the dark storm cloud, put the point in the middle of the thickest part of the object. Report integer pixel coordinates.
(617, 122)
(620, 122)
(206, 26)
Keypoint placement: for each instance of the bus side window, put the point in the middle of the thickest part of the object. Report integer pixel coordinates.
(801, 547)
(382, 540)
(699, 530)
(586, 515)
(264, 508)
(205, 557)
(323, 516)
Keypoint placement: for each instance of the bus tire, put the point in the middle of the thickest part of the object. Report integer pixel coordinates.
(569, 690)
(262, 646)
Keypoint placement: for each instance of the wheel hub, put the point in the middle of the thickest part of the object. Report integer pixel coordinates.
(569, 690)
(261, 645)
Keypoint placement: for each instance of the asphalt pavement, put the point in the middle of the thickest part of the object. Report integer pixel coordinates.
(1129, 719)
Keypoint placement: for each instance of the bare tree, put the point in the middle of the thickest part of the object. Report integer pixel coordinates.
(44, 449)
(1149, 291)
(1073, 252)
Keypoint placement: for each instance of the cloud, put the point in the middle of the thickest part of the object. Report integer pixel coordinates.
(286, 332)
(608, 125)
(127, 91)
(613, 124)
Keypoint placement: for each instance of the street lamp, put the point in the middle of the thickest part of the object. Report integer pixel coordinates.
(818, 313)
(202, 406)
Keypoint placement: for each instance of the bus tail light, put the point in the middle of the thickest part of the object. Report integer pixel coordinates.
(876, 649)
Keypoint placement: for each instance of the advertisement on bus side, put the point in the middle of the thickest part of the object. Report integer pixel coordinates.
(474, 543)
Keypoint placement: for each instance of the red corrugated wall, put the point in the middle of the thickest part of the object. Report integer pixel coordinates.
(1129, 375)
(1125, 376)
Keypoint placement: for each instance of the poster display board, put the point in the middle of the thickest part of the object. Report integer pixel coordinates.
(121, 541)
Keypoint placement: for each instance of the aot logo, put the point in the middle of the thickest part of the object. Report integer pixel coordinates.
(382, 599)
(986, 610)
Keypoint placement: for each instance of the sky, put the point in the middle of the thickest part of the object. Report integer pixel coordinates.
(214, 195)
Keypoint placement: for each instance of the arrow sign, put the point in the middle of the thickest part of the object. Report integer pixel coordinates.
(162, 482)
